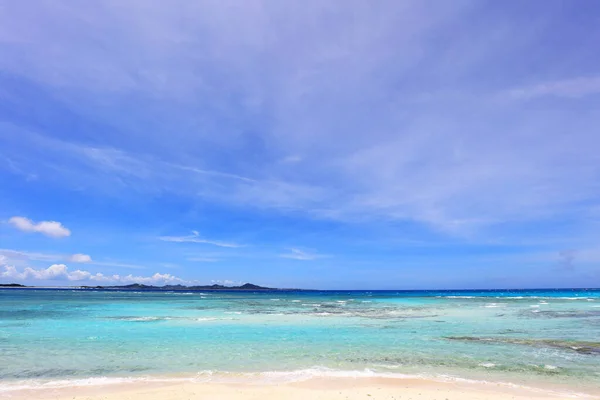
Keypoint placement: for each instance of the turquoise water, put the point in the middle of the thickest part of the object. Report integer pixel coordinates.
(524, 337)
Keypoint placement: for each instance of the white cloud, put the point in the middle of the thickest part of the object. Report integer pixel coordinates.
(297, 254)
(80, 258)
(55, 271)
(49, 228)
(225, 282)
(573, 88)
(195, 238)
(60, 272)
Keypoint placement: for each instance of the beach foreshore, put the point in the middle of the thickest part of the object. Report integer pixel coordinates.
(314, 389)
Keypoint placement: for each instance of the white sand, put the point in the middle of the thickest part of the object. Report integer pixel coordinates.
(315, 389)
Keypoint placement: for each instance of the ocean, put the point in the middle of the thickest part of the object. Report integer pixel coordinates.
(536, 338)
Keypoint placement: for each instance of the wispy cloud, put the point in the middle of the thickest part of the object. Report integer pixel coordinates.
(203, 259)
(23, 257)
(572, 88)
(213, 174)
(297, 254)
(117, 264)
(52, 229)
(566, 259)
(17, 255)
(391, 122)
(195, 238)
(226, 282)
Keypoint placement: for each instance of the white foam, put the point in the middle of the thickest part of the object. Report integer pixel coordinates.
(206, 319)
(493, 305)
(66, 383)
(487, 365)
(145, 319)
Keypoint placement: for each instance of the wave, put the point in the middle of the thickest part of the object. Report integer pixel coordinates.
(141, 319)
(268, 377)
(483, 297)
(159, 319)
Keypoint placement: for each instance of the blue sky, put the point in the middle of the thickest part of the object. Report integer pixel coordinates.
(326, 144)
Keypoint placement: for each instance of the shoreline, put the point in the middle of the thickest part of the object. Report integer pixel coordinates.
(317, 388)
(277, 385)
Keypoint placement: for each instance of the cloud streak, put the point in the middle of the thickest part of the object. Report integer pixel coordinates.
(195, 238)
(297, 254)
(18, 256)
(225, 282)
(570, 88)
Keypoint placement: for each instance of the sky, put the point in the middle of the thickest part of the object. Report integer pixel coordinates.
(302, 144)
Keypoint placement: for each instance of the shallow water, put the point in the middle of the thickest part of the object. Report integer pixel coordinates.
(524, 337)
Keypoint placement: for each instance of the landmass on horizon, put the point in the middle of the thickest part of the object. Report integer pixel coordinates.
(139, 286)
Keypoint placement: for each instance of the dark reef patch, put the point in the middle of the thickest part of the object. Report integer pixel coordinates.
(581, 347)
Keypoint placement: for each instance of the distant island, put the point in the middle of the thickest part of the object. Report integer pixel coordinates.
(138, 286)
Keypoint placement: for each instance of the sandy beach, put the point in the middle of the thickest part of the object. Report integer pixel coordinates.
(315, 389)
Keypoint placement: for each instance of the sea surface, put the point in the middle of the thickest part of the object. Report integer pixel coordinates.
(536, 338)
